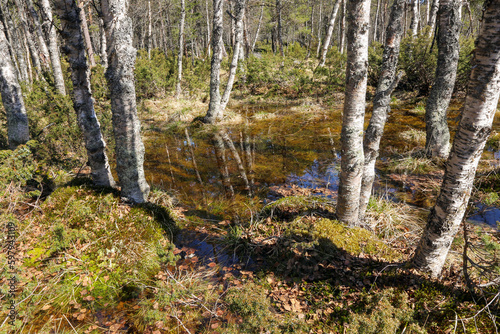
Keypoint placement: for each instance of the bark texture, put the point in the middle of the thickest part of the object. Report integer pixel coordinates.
(53, 48)
(86, 34)
(351, 137)
(44, 51)
(12, 99)
(126, 125)
(473, 130)
(438, 135)
(181, 49)
(214, 112)
(83, 102)
(329, 33)
(386, 84)
(432, 16)
(415, 18)
(240, 12)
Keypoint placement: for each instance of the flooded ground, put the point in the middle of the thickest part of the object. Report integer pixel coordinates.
(280, 147)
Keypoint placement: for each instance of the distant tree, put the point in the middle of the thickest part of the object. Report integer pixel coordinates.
(181, 49)
(12, 98)
(126, 125)
(473, 130)
(329, 33)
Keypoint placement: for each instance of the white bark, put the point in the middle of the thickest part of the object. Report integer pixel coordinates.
(214, 112)
(351, 172)
(86, 34)
(54, 49)
(433, 16)
(473, 131)
(83, 102)
(386, 84)
(438, 135)
(415, 18)
(181, 49)
(240, 12)
(12, 98)
(39, 33)
(256, 37)
(329, 33)
(126, 125)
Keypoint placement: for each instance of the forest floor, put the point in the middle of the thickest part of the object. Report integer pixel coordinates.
(272, 263)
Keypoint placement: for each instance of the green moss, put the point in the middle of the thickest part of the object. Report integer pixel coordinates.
(384, 312)
(354, 240)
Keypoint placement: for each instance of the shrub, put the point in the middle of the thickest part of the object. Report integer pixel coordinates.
(155, 76)
(418, 62)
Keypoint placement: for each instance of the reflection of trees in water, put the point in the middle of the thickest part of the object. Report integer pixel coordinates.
(221, 140)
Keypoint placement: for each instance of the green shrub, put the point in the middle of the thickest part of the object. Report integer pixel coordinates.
(464, 63)
(155, 76)
(418, 62)
(375, 53)
(333, 73)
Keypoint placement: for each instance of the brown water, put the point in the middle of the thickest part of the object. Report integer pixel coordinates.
(272, 146)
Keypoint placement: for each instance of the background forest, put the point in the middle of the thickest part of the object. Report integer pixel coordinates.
(249, 166)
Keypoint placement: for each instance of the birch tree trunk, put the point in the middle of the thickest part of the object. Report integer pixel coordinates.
(102, 52)
(312, 31)
(214, 112)
(342, 29)
(329, 33)
(208, 28)
(126, 125)
(29, 39)
(39, 33)
(86, 34)
(375, 24)
(8, 27)
(415, 18)
(433, 16)
(12, 98)
(53, 48)
(351, 136)
(71, 32)
(240, 12)
(181, 50)
(255, 39)
(386, 84)
(279, 29)
(473, 131)
(320, 22)
(150, 29)
(438, 135)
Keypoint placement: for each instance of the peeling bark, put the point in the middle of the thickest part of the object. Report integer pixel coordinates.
(12, 99)
(83, 102)
(473, 131)
(438, 136)
(351, 172)
(386, 85)
(126, 125)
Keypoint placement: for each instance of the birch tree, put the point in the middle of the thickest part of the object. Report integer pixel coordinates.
(214, 112)
(329, 33)
(415, 18)
(437, 133)
(120, 77)
(237, 50)
(71, 32)
(53, 48)
(181, 49)
(351, 137)
(12, 98)
(386, 84)
(473, 130)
